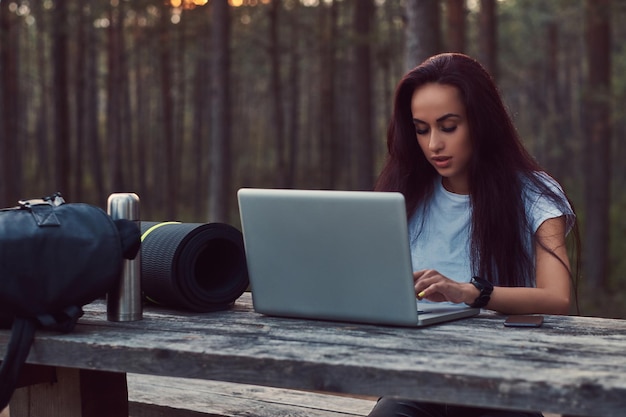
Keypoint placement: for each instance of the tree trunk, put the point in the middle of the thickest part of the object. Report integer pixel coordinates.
(488, 36)
(128, 156)
(202, 113)
(555, 151)
(92, 109)
(114, 122)
(61, 98)
(144, 142)
(329, 144)
(423, 38)
(11, 175)
(598, 128)
(276, 87)
(80, 98)
(362, 138)
(44, 169)
(294, 82)
(455, 18)
(219, 179)
(167, 101)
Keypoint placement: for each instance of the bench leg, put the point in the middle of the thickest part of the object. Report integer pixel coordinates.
(73, 393)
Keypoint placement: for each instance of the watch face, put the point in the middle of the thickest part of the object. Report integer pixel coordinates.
(482, 284)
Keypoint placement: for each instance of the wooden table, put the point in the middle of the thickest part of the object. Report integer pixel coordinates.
(571, 365)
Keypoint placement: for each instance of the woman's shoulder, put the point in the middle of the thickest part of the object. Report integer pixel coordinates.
(544, 198)
(540, 183)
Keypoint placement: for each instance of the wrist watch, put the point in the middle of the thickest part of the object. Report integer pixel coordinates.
(486, 288)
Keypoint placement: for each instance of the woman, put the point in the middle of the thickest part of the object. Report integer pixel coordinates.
(487, 225)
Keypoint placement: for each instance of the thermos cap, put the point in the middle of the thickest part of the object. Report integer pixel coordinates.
(123, 206)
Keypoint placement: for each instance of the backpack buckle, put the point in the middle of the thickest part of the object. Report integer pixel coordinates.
(54, 200)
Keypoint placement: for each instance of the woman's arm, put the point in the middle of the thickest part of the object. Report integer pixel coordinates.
(553, 292)
(551, 296)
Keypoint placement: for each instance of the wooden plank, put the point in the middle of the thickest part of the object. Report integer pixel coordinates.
(74, 393)
(151, 396)
(571, 365)
(36, 374)
(154, 396)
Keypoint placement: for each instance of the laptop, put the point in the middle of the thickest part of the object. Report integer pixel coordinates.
(334, 255)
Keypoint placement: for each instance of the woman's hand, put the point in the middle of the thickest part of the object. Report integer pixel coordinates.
(433, 286)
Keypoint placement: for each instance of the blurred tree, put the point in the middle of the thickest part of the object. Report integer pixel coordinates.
(219, 153)
(423, 26)
(293, 115)
(61, 96)
(41, 165)
(455, 25)
(79, 99)
(9, 110)
(597, 102)
(147, 111)
(362, 138)
(201, 110)
(555, 156)
(278, 123)
(115, 87)
(89, 182)
(329, 146)
(488, 36)
(168, 170)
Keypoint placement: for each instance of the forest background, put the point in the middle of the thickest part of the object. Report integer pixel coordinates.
(185, 101)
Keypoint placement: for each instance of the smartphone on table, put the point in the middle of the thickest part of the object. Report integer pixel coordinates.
(523, 321)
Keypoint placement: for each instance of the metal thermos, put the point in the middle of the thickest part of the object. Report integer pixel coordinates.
(124, 300)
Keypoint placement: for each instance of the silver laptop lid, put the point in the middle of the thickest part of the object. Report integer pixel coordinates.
(338, 255)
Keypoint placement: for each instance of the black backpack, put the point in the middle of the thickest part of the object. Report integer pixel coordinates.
(54, 259)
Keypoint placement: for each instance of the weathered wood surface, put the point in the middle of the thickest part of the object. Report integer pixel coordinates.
(157, 396)
(151, 396)
(571, 365)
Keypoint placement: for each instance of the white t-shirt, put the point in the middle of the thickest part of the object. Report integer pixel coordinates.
(444, 241)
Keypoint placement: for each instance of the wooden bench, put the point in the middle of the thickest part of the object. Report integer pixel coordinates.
(151, 396)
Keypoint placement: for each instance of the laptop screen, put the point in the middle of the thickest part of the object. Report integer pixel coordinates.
(335, 255)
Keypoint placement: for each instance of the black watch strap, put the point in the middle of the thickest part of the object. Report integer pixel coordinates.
(486, 288)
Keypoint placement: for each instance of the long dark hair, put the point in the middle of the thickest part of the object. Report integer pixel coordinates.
(499, 168)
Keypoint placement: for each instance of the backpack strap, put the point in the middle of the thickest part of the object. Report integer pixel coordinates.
(63, 321)
(22, 335)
